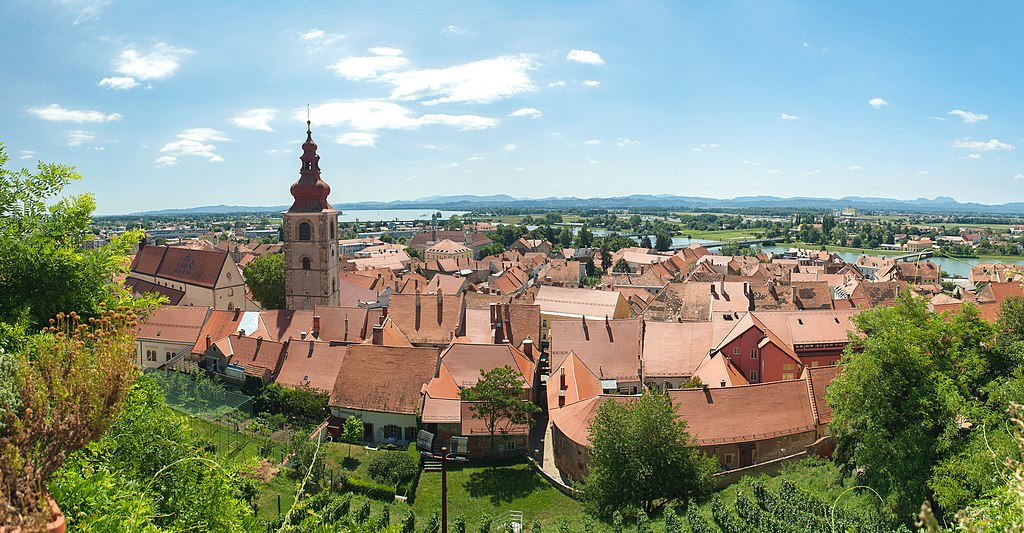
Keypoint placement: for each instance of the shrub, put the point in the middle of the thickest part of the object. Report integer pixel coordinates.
(393, 467)
(373, 490)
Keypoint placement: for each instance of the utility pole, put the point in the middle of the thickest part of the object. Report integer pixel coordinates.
(444, 490)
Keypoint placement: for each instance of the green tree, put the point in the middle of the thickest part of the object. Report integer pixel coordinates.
(494, 248)
(606, 257)
(622, 266)
(265, 277)
(645, 242)
(584, 238)
(43, 268)
(352, 432)
(497, 400)
(663, 241)
(641, 455)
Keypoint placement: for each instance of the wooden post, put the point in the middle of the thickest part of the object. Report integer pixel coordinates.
(444, 490)
(279, 506)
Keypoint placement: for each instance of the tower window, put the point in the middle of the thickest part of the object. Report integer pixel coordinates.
(305, 263)
(305, 231)
(332, 231)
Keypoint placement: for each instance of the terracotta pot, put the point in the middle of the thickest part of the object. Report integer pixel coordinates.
(57, 525)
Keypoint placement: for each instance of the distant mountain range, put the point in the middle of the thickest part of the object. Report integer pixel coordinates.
(941, 204)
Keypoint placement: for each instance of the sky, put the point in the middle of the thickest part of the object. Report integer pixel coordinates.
(189, 103)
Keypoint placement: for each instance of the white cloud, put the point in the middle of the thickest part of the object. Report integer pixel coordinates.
(591, 83)
(787, 116)
(119, 83)
(810, 173)
(877, 102)
(526, 112)
(161, 62)
(386, 51)
(940, 119)
(706, 146)
(358, 139)
(585, 56)
(559, 83)
(452, 29)
(361, 68)
(591, 161)
(592, 141)
(166, 161)
(851, 167)
(84, 9)
(509, 147)
(478, 82)
(992, 145)
(1019, 176)
(968, 117)
(450, 165)
(56, 113)
(974, 156)
(627, 143)
(79, 137)
(27, 154)
(923, 172)
(255, 119)
(376, 114)
(312, 35)
(775, 171)
(196, 142)
(475, 158)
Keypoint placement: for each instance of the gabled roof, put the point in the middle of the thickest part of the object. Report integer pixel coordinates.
(580, 382)
(746, 413)
(383, 379)
(141, 286)
(426, 319)
(360, 321)
(610, 348)
(466, 361)
(284, 324)
(716, 368)
(690, 301)
(257, 356)
(313, 363)
(674, 349)
(220, 324)
(447, 246)
(473, 426)
(195, 267)
(171, 323)
(446, 284)
(818, 379)
(569, 301)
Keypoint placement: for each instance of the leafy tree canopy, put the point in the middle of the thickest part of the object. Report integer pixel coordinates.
(265, 277)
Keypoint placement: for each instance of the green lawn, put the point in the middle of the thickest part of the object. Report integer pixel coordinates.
(722, 234)
(477, 489)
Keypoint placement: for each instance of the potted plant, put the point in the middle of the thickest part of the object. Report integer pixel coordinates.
(68, 383)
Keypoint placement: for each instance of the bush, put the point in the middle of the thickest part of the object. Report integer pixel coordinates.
(373, 490)
(393, 467)
(414, 455)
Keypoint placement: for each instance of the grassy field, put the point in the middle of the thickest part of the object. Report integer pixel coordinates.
(478, 489)
(722, 234)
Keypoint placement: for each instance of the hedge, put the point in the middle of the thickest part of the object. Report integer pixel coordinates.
(410, 488)
(371, 489)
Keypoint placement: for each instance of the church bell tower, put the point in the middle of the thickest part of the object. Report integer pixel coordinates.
(310, 237)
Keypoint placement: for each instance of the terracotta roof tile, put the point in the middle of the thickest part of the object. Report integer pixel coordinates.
(611, 349)
(313, 363)
(171, 323)
(384, 379)
(434, 321)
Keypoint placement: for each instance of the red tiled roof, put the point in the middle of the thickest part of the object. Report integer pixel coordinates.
(384, 379)
(147, 261)
(171, 323)
(434, 321)
(313, 363)
(284, 324)
(610, 348)
(747, 413)
(141, 286)
(333, 327)
(473, 426)
(196, 267)
(466, 361)
(819, 378)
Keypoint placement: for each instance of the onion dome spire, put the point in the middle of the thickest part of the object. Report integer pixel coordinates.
(310, 192)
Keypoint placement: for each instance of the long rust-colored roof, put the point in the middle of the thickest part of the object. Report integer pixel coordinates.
(434, 321)
(172, 323)
(610, 348)
(383, 379)
(312, 363)
(466, 361)
(195, 267)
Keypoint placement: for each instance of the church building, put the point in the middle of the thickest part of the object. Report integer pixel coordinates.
(310, 238)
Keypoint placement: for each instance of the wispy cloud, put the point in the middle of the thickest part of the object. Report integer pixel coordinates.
(706, 146)
(775, 171)
(851, 168)
(27, 154)
(591, 83)
(877, 102)
(1019, 176)
(195, 142)
(358, 139)
(509, 147)
(968, 117)
(627, 143)
(312, 35)
(557, 83)
(119, 83)
(591, 160)
(166, 161)
(479, 82)
(80, 137)
(384, 59)
(56, 113)
(452, 29)
(255, 119)
(991, 145)
(450, 165)
(84, 9)
(526, 112)
(787, 116)
(585, 56)
(377, 114)
(592, 141)
(974, 156)
(159, 63)
(475, 158)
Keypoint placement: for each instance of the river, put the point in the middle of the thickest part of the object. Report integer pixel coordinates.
(366, 215)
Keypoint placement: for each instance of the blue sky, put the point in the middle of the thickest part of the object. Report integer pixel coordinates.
(179, 104)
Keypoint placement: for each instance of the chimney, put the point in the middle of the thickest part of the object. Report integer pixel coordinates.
(316, 325)
(723, 383)
(499, 333)
(721, 286)
(259, 342)
(561, 379)
(792, 294)
(238, 311)
(302, 336)
(712, 289)
(493, 307)
(378, 335)
(346, 327)
(528, 348)
(208, 343)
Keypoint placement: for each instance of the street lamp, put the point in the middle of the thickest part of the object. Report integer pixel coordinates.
(444, 489)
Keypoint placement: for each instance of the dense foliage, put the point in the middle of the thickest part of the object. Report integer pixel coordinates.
(642, 457)
(304, 403)
(921, 407)
(151, 472)
(498, 400)
(393, 467)
(265, 278)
